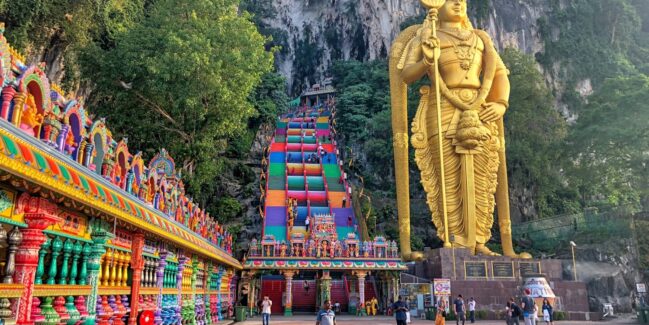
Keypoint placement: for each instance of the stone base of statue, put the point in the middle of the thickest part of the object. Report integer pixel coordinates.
(492, 280)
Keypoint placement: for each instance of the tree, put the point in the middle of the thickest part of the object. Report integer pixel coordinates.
(181, 79)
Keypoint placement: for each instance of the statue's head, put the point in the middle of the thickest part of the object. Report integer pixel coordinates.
(455, 11)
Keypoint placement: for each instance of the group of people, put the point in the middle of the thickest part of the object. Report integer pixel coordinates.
(529, 310)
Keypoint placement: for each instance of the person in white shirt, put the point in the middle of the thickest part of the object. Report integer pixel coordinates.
(265, 312)
(326, 316)
(472, 310)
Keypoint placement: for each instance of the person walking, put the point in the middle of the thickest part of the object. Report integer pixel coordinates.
(408, 312)
(528, 306)
(400, 308)
(547, 312)
(326, 316)
(472, 304)
(440, 318)
(265, 310)
(460, 310)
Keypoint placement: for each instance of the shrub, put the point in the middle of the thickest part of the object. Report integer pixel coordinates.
(559, 315)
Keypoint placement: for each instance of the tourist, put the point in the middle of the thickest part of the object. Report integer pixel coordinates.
(440, 318)
(472, 310)
(326, 316)
(400, 308)
(528, 307)
(460, 310)
(337, 307)
(265, 313)
(547, 312)
(306, 223)
(344, 202)
(408, 311)
(350, 222)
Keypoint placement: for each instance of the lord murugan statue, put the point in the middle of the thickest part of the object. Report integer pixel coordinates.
(457, 132)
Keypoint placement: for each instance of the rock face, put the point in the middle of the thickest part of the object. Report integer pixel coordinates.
(364, 29)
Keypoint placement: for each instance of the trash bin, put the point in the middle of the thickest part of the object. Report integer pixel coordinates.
(645, 314)
(240, 313)
(430, 314)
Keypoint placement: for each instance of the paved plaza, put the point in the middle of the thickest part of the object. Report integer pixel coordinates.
(380, 320)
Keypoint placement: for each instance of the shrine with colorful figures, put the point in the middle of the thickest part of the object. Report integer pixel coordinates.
(89, 231)
(311, 249)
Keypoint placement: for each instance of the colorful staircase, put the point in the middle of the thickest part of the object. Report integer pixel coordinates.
(304, 165)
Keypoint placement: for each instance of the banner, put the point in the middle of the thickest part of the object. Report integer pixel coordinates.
(442, 287)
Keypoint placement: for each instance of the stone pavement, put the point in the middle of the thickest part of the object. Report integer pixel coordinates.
(381, 320)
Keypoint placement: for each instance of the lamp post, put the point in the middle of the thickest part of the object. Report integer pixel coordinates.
(453, 250)
(574, 264)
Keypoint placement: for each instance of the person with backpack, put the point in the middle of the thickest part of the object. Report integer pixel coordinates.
(529, 306)
(513, 312)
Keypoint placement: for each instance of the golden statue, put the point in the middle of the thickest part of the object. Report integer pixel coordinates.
(30, 118)
(469, 96)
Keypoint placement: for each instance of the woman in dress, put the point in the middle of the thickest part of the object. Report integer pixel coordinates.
(440, 319)
(547, 312)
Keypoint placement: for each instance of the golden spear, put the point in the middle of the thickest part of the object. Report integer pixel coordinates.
(433, 10)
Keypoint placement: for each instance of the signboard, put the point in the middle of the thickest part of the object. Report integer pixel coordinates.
(442, 287)
(641, 287)
(502, 269)
(475, 269)
(529, 268)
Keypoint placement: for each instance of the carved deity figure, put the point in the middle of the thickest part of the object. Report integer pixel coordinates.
(464, 172)
(30, 118)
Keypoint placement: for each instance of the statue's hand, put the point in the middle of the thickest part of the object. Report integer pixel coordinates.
(430, 49)
(492, 112)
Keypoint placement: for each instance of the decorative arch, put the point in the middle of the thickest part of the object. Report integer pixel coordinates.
(122, 165)
(98, 137)
(33, 82)
(75, 116)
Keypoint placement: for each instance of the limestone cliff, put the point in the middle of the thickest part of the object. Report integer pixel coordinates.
(364, 29)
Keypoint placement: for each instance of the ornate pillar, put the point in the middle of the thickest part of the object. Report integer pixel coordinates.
(361, 285)
(137, 264)
(179, 284)
(219, 279)
(19, 102)
(160, 284)
(100, 235)
(8, 93)
(325, 287)
(288, 307)
(39, 214)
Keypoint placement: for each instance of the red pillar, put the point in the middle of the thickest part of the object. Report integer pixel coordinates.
(8, 93)
(39, 214)
(137, 264)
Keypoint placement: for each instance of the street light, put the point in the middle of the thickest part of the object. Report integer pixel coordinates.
(453, 250)
(574, 264)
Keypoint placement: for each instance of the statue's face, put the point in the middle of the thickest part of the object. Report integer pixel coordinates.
(453, 11)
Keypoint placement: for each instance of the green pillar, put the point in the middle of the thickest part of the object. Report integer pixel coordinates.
(57, 245)
(99, 237)
(40, 270)
(325, 287)
(67, 251)
(76, 251)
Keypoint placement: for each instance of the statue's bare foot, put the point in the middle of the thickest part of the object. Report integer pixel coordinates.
(484, 250)
(413, 256)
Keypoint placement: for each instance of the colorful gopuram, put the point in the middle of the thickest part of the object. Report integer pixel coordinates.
(310, 249)
(89, 232)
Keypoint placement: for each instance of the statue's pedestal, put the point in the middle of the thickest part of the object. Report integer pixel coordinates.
(492, 280)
